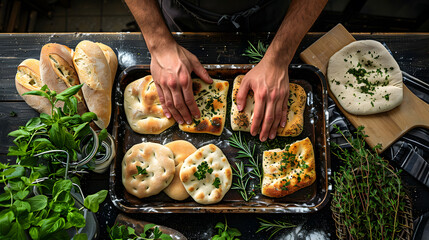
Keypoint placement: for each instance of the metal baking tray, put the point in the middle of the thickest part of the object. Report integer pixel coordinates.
(309, 199)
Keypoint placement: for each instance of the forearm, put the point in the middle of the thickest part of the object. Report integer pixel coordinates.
(149, 18)
(300, 17)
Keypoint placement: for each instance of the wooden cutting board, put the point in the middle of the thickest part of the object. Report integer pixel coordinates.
(384, 128)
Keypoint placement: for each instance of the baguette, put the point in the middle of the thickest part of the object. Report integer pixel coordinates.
(57, 71)
(95, 74)
(28, 79)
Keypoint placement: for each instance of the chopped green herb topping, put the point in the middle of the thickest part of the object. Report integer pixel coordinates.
(203, 168)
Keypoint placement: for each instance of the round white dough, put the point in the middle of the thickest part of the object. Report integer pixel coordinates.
(365, 79)
(156, 160)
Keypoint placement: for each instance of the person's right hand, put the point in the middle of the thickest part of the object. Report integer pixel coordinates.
(171, 68)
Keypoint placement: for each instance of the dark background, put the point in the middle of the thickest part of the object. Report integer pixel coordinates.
(114, 16)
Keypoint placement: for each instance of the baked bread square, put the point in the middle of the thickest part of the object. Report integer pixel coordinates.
(211, 101)
(289, 170)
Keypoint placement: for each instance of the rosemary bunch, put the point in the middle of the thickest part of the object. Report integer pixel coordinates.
(369, 193)
(255, 53)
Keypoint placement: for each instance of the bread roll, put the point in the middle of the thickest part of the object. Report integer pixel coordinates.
(181, 150)
(96, 76)
(57, 71)
(28, 79)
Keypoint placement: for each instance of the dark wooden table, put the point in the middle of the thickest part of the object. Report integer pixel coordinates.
(410, 50)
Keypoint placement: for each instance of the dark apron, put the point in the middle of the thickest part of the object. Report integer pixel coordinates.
(183, 16)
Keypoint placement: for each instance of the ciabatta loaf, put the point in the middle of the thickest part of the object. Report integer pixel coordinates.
(96, 76)
(57, 71)
(28, 79)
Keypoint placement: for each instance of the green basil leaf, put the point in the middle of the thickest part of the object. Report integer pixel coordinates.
(59, 206)
(102, 135)
(33, 124)
(220, 225)
(37, 93)
(61, 186)
(16, 185)
(80, 236)
(21, 206)
(51, 225)
(38, 202)
(16, 232)
(4, 197)
(89, 116)
(165, 237)
(234, 232)
(34, 233)
(18, 172)
(21, 195)
(6, 218)
(56, 135)
(45, 117)
(69, 92)
(93, 201)
(69, 141)
(19, 132)
(148, 226)
(76, 219)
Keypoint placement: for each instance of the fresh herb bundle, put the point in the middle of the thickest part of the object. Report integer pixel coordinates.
(243, 177)
(225, 232)
(39, 198)
(274, 227)
(150, 232)
(255, 53)
(368, 192)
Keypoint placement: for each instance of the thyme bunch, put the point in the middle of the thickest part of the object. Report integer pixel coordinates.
(369, 193)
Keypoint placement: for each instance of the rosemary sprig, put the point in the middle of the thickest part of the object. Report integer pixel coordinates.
(242, 182)
(274, 227)
(368, 192)
(237, 141)
(255, 53)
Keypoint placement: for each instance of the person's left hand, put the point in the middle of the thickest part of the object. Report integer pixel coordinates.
(270, 84)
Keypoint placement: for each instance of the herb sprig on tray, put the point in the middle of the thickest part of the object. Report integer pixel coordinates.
(243, 176)
(255, 53)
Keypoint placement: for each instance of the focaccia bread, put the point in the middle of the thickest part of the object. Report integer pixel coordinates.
(95, 74)
(211, 101)
(242, 121)
(286, 171)
(181, 150)
(57, 71)
(365, 78)
(143, 108)
(27, 79)
(155, 160)
(213, 184)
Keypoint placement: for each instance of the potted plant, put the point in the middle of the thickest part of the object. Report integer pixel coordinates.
(42, 197)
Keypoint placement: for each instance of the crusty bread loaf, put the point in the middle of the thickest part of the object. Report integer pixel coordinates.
(157, 163)
(211, 185)
(143, 108)
(28, 79)
(57, 71)
(181, 150)
(111, 58)
(95, 74)
(286, 171)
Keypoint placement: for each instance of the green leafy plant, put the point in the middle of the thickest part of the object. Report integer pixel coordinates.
(150, 232)
(368, 192)
(273, 227)
(255, 53)
(226, 233)
(39, 196)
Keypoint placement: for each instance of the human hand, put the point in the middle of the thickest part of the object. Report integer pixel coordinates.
(270, 84)
(171, 69)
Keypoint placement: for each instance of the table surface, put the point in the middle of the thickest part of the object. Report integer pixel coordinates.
(410, 51)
